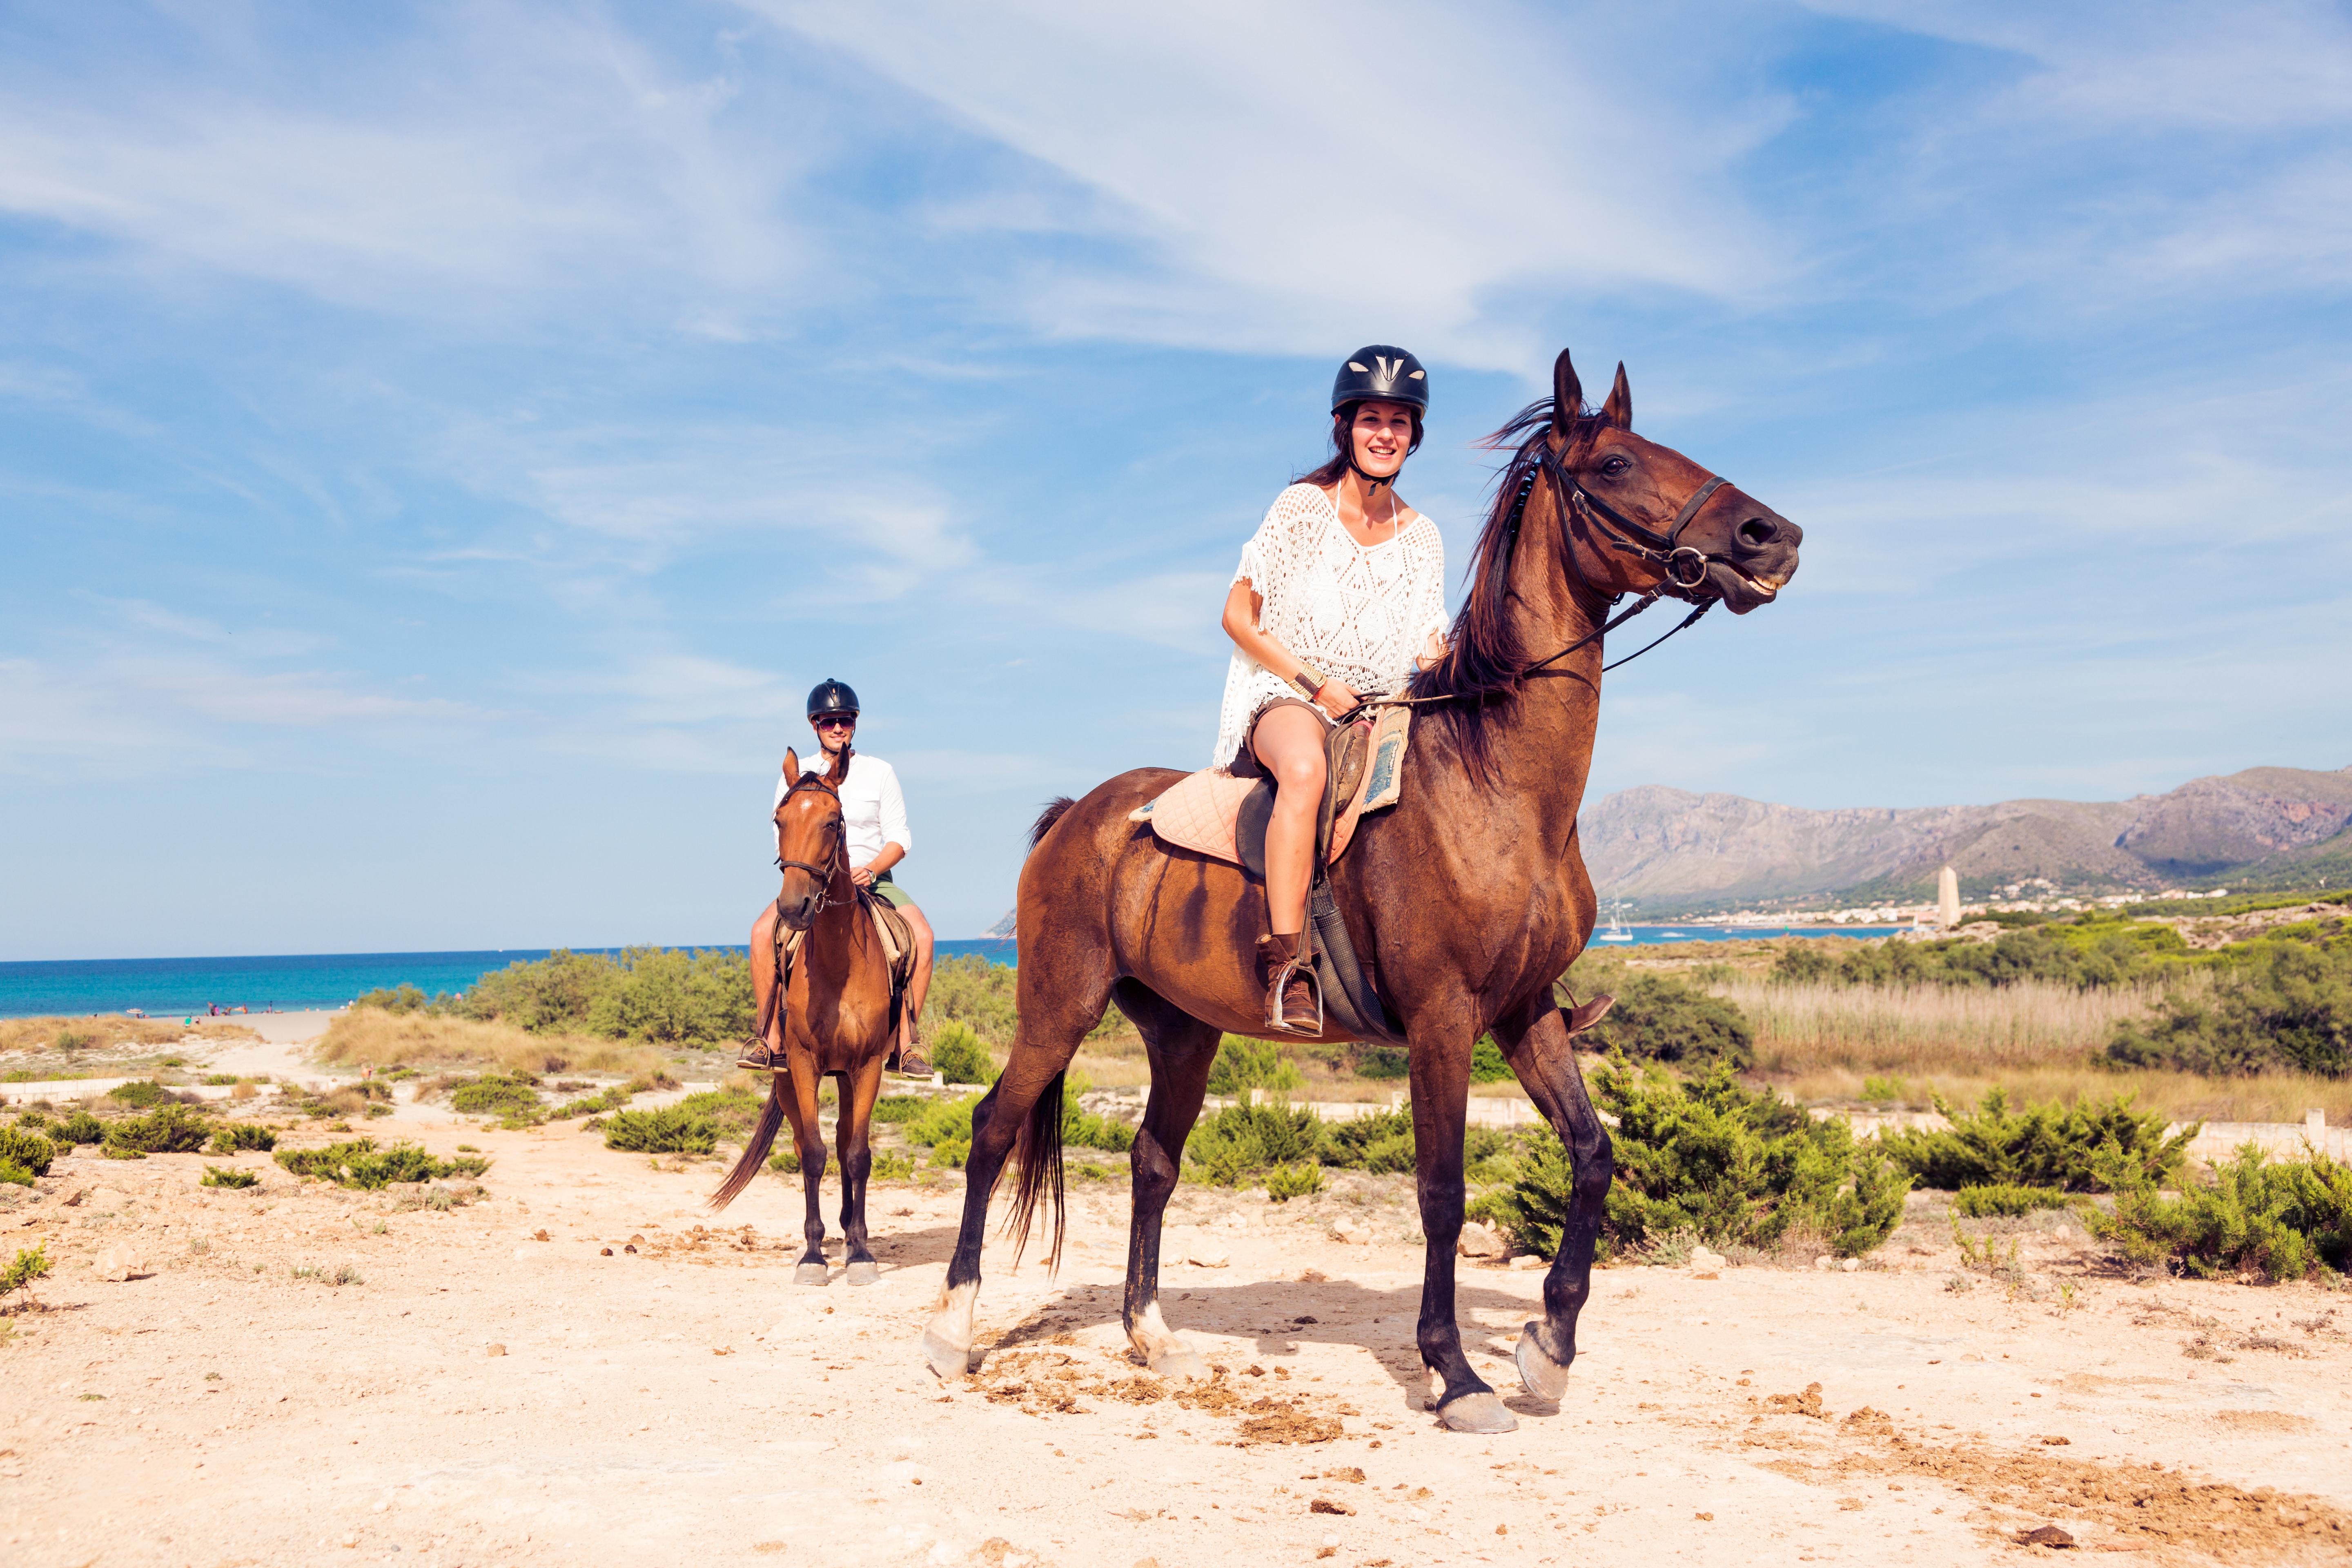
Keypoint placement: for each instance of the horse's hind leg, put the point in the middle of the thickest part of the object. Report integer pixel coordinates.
(1538, 1046)
(851, 1134)
(808, 1139)
(1182, 1049)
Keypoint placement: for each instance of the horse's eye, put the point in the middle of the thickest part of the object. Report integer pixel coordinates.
(1614, 466)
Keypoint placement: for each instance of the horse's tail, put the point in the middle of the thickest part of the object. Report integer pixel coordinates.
(1055, 809)
(755, 1148)
(1039, 1150)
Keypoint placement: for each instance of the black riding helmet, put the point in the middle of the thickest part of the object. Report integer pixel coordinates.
(1380, 372)
(831, 696)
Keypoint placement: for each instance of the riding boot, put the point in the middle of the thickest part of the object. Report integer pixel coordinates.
(1291, 1004)
(755, 1056)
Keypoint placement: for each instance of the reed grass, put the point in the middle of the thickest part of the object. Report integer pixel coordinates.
(106, 1029)
(369, 1037)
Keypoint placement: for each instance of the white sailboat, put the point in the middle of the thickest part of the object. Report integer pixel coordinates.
(1616, 931)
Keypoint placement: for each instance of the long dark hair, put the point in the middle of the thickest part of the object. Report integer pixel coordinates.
(1343, 419)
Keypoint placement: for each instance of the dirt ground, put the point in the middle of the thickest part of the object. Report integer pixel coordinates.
(506, 1382)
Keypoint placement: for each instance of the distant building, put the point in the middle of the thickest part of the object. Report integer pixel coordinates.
(1948, 898)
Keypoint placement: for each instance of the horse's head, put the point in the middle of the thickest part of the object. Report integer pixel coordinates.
(811, 838)
(1645, 517)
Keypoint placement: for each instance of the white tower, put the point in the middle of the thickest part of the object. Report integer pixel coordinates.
(1948, 898)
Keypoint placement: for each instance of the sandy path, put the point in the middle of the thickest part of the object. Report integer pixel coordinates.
(688, 1403)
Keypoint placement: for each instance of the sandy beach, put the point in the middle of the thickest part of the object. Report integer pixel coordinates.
(506, 1381)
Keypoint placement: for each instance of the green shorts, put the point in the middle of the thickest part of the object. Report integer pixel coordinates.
(896, 896)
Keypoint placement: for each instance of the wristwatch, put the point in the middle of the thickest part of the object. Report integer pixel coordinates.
(1309, 681)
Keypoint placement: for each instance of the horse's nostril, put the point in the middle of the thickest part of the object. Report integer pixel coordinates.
(1756, 531)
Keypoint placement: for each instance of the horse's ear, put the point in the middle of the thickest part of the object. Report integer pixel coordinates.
(792, 765)
(840, 769)
(1619, 409)
(1567, 394)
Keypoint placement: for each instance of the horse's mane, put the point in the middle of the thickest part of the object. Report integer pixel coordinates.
(1484, 661)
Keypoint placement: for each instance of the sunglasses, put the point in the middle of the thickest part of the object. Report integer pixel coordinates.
(837, 722)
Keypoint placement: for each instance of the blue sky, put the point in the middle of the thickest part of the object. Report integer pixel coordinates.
(441, 443)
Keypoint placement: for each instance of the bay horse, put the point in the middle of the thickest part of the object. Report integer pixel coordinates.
(1469, 897)
(838, 1015)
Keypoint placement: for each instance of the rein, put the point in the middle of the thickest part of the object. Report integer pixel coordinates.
(1619, 533)
(823, 874)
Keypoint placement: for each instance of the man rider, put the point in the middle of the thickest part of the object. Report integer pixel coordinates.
(874, 822)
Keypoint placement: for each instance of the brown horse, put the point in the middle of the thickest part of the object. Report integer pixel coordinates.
(839, 1015)
(1468, 898)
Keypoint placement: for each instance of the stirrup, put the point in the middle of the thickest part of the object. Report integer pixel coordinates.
(755, 1056)
(1302, 965)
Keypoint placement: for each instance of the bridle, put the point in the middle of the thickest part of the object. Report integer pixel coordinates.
(1686, 566)
(823, 874)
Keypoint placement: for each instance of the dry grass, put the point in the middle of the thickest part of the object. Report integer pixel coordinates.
(2179, 1096)
(370, 1036)
(107, 1030)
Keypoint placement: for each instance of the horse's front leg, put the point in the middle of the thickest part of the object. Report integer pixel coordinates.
(1535, 1042)
(852, 1135)
(808, 1139)
(1441, 1106)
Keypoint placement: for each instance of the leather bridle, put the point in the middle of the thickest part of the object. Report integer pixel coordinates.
(823, 874)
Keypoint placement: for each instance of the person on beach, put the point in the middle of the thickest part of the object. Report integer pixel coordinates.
(874, 817)
(1340, 592)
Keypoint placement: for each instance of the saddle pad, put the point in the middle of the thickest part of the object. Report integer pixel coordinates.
(1201, 811)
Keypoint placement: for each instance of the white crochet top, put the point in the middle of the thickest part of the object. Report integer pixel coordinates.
(1359, 614)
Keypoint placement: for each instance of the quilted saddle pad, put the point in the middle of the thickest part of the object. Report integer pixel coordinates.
(1201, 811)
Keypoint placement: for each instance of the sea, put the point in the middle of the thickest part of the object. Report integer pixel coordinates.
(161, 987)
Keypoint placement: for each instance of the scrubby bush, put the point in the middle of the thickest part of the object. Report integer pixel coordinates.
(29, 1265)
(1802, 963)
(672, 1130)
(81, 1127)
(1244, 1064)
(29, 1151)
(2044, 1146)
(942, 1119)
(958, 1056)
(1486, 1063)
(359, 1164)
(661, 995)
(1660, 1018)
(1709, 1157)
(167, 1129)
(2007, 1199)
(2283, 1220)
(732, 1111)
(407, 998)
(495, 1094)
(140, 1093)
(885, 1165)
(949, 1153)
(239, 1136)
(228, 1176)
(1380, 1142)
(15, 1175)
(1383, 1062)
(1288, 1181)
(616, 1098)
(979, 995)
(1241, 1140)
(894, 1108)
(2280, 1005)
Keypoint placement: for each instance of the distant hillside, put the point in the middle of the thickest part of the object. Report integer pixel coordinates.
(1667, 849)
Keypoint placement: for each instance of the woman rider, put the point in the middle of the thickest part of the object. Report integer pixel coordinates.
(1340, 592)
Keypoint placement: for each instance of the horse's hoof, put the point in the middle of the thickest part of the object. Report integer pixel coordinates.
(1181, 1363)
(947, 1360)
(867, 1272)
(1539, 1373)
(811, 1273)
(1478, 1413)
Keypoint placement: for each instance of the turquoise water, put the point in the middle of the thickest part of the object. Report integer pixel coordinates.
(163, 986)
(160, 986)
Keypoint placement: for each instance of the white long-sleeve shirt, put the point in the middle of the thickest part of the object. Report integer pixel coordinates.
(872, 808)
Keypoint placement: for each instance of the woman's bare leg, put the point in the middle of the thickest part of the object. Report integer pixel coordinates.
(1289, 742)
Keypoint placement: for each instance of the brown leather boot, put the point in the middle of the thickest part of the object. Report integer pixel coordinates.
(753, 1056)
(1291, 1006)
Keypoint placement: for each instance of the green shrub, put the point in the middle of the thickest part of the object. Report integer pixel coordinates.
(1288, 1181)
(2044, 1146)
(81, 1127)
(942, 1119)
(617, 1097)
(1709, 1157)
(2282, 1221)
(731, 1111)
(1486, 1063)
(2008, 1199)
(893, 1108)
(15, 1175)
(2282, 1006)
(228, 1176)
(661, 995)
(889, 1166)
(167, 1129)
(1659, 1018)
(1383, 1063)
(1244, 1064)
(140, 1093)
(495, 1095)
(976, 995)
(407, 998)
(952, 1152)
(958, 1056)
(239, 1136)
(785, 1162)
(672, 1130)
(1085, 1129)
(29, 1264)
(1242, 1140)
(1380, 1142)
(359, 1164)
(1802, 963)
(29, 1151)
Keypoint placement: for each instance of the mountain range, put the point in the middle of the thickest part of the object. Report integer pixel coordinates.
(1664, 850)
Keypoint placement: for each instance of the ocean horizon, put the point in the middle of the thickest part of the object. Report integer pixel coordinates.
(291, 982)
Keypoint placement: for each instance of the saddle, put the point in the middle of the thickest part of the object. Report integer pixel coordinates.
(897, 951)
